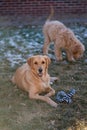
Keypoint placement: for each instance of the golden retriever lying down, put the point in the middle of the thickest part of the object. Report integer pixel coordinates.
(63, 38)
(33, 77)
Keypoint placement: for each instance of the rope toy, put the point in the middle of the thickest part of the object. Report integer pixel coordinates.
(62, 96)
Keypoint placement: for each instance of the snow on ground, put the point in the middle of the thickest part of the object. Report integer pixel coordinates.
(18, 43)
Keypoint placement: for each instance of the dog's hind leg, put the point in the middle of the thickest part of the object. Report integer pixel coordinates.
(53, 79)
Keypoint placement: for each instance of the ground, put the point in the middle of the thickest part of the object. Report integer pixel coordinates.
(17, 111)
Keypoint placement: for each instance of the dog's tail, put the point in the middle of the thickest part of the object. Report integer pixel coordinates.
(51, 14)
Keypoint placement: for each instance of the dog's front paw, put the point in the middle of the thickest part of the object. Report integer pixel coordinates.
(54, 104)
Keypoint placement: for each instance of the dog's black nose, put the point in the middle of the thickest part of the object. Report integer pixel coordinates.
(40, 70)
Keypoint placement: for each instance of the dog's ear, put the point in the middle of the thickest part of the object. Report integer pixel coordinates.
(75, 49)
(29, 61)
(48, 60)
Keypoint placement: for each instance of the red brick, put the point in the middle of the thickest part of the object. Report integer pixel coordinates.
(42, 7)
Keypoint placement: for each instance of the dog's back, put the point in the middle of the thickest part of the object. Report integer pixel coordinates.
(19, 75)
(54, 26)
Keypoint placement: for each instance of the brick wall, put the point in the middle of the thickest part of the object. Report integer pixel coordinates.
(42, 7)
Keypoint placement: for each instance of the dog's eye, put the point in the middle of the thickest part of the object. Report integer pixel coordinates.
(35, 63)
(43, 62)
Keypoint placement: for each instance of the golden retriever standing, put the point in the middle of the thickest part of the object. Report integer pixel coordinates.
(63, 38)
(33, 77)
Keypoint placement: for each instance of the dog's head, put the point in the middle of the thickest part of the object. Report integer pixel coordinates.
(39, 64)
(77, 47)
(78, 51)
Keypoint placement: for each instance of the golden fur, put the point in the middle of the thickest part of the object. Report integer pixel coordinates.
(33, 77)
(63, 38)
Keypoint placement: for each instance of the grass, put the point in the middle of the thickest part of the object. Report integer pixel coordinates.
(17, 111)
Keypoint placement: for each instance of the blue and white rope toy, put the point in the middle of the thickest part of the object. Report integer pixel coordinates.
(62, 96)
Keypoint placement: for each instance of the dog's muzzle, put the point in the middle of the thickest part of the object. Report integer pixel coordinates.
(40, 70)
